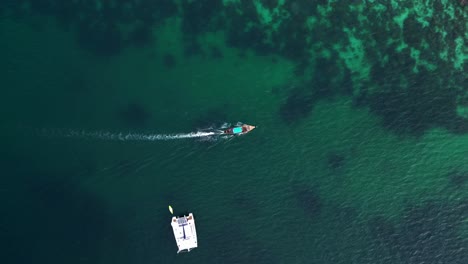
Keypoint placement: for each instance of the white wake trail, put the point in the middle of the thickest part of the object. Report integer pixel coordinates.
(136, 136)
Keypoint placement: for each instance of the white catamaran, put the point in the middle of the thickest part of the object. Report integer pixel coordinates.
(184, 232)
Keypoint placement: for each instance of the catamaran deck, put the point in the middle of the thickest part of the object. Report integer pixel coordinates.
(185, 232)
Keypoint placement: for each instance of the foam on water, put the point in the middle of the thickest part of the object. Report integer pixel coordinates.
(137, 136)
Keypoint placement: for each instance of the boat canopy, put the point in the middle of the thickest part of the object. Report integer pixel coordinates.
(237, 130)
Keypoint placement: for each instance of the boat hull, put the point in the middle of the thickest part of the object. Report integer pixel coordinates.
(238, 130)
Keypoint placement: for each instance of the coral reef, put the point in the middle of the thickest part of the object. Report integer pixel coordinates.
(405, 59)
(396, 58)
(322, 83)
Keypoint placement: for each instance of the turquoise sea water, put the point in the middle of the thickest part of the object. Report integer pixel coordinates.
(335, 187)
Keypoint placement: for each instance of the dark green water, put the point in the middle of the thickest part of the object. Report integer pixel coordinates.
(334, 185)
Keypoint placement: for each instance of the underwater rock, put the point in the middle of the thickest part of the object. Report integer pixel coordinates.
(458, 179)
(411, 28)
(324, 83)
(192, 48)
(244, 201)
(216, 53)
(426, 233)
(308, 199)
(335, 160)
(298, 105)
(134, 115)
(426, 103)
(140, 36)
(323, 77)
(199, 15)
(101, 40)
(462, 103)
(384, 230)
(169, 60)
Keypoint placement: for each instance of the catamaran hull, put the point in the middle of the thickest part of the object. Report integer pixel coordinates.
(185, 233)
